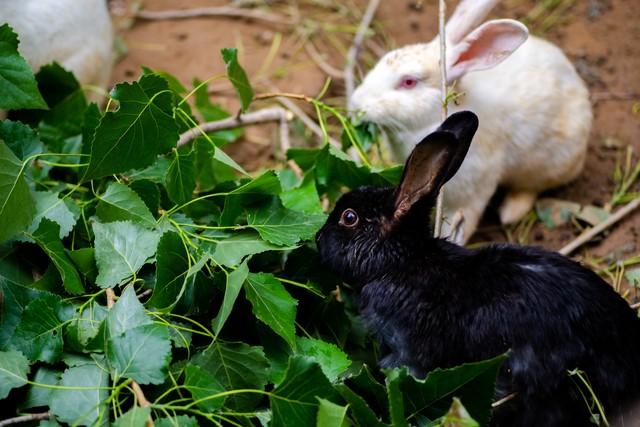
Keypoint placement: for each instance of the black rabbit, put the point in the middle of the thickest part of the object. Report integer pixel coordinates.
(435, 304)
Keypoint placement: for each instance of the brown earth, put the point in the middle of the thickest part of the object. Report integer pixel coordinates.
(602, 37)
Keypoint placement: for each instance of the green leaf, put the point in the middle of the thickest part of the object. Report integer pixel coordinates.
(66, 100)
(202, 385)
(360, 409)
(47, 237)
(22, 140)
(142, 353)
(17, 83)
(85, 404)
(282, 226)
(49, 206)
(148, 192)
(155, 173)
(472, 383)
(294, 402)
(331, 359)
(39, 333)
(334, 169)
(177, 421)
(15, 295)
(232, 250)
(331, 415)
(41, 396)
(267, 183)
(272, 304)
(233, 285)
(303, 198)
(141, 128)
(126, 314)
(396, 399)
(633, 276)
(210, 112)
(236, 366)
(134, 417)
(458, 416)
(14, 368)
(181, 181)
(238, 77)
(16, 203)
(171, 272)
(120, 203)
(121, 249)
(85, 326)
(85, 261)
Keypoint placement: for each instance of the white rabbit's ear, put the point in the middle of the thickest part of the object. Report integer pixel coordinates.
(467, 16)
(487, 46)
(434, 161)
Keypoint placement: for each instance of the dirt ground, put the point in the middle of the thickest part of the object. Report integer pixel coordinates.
(602, 37)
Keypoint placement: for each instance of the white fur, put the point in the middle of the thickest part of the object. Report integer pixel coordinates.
(534, 112)
(75, 33)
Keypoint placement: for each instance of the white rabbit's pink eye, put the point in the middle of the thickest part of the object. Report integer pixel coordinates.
(408, 82)
(349, 218)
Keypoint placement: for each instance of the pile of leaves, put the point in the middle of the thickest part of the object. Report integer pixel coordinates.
(127, 262)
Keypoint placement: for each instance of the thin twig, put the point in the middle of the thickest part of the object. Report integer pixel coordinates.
(142, 401)
(137, 391)
(613, 96)
(592, 232)
(635, 306)
(144, 293)
(111, 298)
(504, 400)
(354, 50)
(222, 11)
(25, 419)
(304, 118)
(442, 11)
(271, 114)
(317, 58)
(457, 227)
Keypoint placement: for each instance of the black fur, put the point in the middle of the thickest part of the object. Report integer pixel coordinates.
(435, 304)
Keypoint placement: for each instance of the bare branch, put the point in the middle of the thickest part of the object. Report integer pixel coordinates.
(111, 297)
(137, 391)
(457, 227)
(354, 50)
(222, 11)
(25, 419)
(304, 118)
(142, 401)
(442, 12)
(316, 57)
(504, 400)
(592, 232)
(271, 114)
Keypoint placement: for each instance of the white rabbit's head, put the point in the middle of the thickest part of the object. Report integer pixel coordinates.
(402, 92)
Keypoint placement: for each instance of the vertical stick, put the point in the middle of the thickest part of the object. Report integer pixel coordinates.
(354, 50)
(442, 11)
(137, 391)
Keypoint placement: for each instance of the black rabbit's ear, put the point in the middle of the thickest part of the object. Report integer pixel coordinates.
(434, 161)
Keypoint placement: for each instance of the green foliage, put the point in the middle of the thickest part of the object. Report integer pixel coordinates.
(125, 258)
(238, 77)
(17, 83)
(17, 208)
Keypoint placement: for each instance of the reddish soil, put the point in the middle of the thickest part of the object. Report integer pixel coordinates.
(602, 37)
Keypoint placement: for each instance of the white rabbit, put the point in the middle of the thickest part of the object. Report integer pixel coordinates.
(75, 33)
(534, 110)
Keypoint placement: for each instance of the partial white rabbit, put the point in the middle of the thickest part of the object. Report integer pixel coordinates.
(76, 34)
(534, 110)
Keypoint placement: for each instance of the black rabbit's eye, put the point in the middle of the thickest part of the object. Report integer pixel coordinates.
(349, 218)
